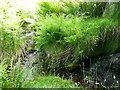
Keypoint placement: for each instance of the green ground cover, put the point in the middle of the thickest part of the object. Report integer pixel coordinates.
(67, 32)
(49, 82)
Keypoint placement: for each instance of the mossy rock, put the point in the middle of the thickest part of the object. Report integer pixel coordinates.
(111, 45)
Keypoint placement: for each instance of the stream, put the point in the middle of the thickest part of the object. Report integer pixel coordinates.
(105, 72)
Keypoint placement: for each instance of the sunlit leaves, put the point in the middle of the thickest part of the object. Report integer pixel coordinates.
(71, 8)
(11, 19)
(60, 30)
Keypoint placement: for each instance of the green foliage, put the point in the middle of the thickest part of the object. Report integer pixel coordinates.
(12, 76)
(109, 43)
(56, 34)
(9, 28)
(11, 18)
(94, 9)
(49, 7)
(56, 31)
(11, 37)
(71, 8)
(111, 11)
(112, 44)
(62, 35)
(49, 82)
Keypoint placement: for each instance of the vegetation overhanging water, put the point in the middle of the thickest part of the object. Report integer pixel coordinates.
(59, 44)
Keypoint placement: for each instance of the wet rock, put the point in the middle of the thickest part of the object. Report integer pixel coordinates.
(27, 22)
(108, 71)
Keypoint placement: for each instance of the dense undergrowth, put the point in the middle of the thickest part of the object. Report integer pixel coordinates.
(71, 8)
(11, 20)
(70, 37)
(73, 37)
(65, 33)
(11, 38)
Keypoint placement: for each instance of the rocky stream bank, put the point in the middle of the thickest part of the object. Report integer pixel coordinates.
(104, 72)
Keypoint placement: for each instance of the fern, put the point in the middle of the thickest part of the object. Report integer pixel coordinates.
(56, 34)
(71, 8)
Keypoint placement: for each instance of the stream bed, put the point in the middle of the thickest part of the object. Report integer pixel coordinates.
(105, 72)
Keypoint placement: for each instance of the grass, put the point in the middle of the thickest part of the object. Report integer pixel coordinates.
(11, 18)
(11, 37)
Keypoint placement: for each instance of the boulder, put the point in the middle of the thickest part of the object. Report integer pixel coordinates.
(108, 71)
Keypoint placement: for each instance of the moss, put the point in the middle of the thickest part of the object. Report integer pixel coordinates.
(110, 46)
(92, 37)
(49, 82)
(112, 11)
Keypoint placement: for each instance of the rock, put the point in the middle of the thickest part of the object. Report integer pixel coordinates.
(29, 20)
(108, 70)
(77, 79)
